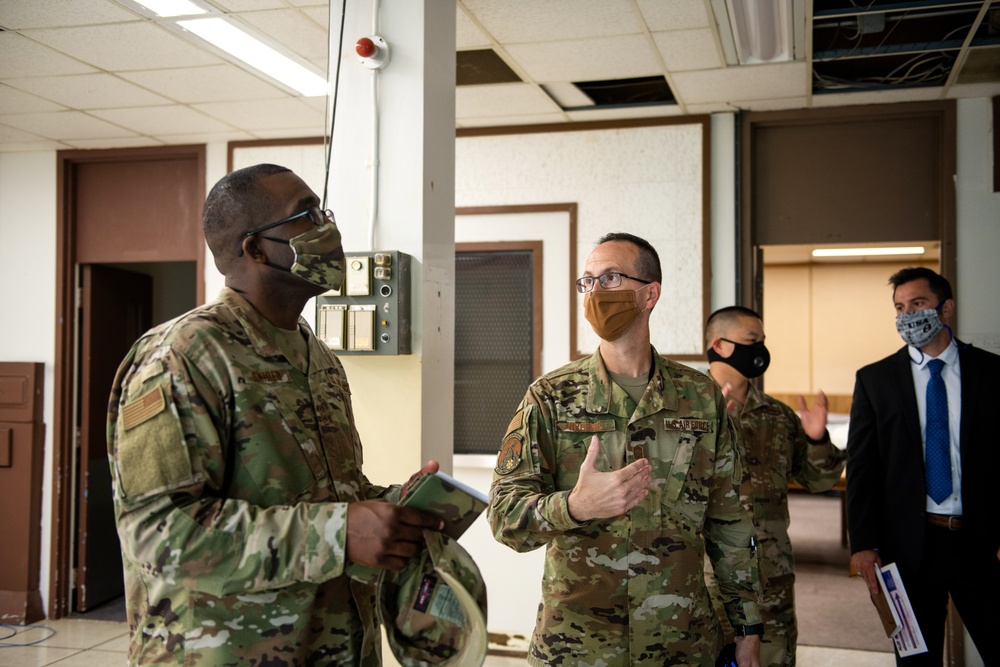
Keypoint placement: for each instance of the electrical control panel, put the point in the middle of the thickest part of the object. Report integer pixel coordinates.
(371, 312)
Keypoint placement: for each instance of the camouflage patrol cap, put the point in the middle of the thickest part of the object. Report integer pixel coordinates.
(434, 609)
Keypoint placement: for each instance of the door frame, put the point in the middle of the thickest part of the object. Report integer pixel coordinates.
(64, 431)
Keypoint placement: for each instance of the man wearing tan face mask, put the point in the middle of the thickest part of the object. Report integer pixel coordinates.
(622, 465)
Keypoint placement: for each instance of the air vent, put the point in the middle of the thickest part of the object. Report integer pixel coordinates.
(482, 66)
(642, 91)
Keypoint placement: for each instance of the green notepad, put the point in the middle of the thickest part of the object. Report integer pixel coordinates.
(442, 495)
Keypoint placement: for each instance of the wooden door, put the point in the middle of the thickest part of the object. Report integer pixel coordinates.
(116, 310)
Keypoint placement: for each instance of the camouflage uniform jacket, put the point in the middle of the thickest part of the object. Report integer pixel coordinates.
(774, 451)
(627, 590)
(232, 469)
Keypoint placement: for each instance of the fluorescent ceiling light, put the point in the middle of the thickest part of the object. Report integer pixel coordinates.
(257, 54)
(865, 252)
(754, 32)
(167, 8)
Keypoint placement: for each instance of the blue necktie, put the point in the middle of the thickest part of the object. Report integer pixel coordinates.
(937, 454)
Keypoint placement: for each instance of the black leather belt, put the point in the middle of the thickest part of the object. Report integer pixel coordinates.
(945, 521)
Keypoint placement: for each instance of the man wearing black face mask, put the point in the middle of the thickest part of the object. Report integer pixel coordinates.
(776, 447)
(922, 473)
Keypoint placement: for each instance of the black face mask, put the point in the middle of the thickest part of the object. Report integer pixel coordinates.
(750, 360)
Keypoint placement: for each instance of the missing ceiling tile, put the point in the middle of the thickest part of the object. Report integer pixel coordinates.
(641, 91)
(482, 66)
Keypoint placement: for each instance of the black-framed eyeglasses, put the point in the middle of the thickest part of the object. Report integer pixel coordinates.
(316, 215)
(608, 280)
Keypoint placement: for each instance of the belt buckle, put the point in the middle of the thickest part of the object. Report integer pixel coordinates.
(950, 519)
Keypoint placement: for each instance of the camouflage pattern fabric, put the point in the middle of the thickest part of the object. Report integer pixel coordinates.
(234, 453)
(774, 451)
(628, 590)
(434, 609)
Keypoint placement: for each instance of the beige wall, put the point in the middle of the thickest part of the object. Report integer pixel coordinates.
(825, 321)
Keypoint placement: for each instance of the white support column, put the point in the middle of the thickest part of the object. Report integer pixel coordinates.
(403, 405)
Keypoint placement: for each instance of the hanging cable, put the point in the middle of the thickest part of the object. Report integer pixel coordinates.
(373, 207)
(331, 108)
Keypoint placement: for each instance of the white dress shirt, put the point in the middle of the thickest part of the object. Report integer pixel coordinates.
(952, 376)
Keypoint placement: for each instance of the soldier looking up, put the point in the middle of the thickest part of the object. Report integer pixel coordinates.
(622, 465)
(775, 447)
(239, 494)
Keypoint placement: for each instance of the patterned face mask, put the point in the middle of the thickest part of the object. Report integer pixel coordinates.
(917, 328)
(319, 257)
(611, 313)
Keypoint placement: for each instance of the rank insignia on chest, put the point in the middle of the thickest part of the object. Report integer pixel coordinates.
(510, 455)
(692, 425)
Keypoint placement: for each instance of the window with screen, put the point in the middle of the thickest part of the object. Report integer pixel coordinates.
(494, 344)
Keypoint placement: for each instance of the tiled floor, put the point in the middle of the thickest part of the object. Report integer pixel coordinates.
(72, 642)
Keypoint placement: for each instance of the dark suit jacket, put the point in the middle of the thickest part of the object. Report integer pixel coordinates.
(886, 496)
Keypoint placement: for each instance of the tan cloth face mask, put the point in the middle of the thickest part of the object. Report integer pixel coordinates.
(611, 313)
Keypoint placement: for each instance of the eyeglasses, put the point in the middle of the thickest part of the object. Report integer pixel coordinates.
(316, 215)
(608, 280)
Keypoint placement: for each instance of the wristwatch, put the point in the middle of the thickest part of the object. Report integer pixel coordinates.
(744, 630)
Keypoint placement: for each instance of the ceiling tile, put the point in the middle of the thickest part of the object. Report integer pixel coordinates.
(131, 142)
(267, 114)
(974, 90)
(123, 47)
(501, 121)
(675, 14)
(876, 97)
(156, 121)
(21, 14)
(652, 111)
(249, 5)
(291, 28)
(8, 133)
(587, 60)
(20, 56)
(320, 15)
(684, 50)
(515, 99)
(207, 137)
(467, 33)
(518, 21)
(89, 91)
(13, 100)
(742, 83)
(65, 125)
(214, 83)
(770, 103)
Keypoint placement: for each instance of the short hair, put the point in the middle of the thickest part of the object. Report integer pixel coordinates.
(724, 318)
(649, 261)
(235, 205)
(939, 284)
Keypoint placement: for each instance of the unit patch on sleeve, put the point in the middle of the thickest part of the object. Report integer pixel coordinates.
(693, 425)
(510, 455)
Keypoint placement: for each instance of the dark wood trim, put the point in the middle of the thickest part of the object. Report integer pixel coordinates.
(571, 209)
(581, 127)
(996, 144)
(537, 302)
(63, 428)
(944, 110)
(258, 143)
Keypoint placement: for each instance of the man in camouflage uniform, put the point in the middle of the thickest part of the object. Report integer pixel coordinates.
(775, 448)
(622, 465)
(239, 494)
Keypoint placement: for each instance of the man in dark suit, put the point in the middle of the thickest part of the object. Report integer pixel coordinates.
(938, 519)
